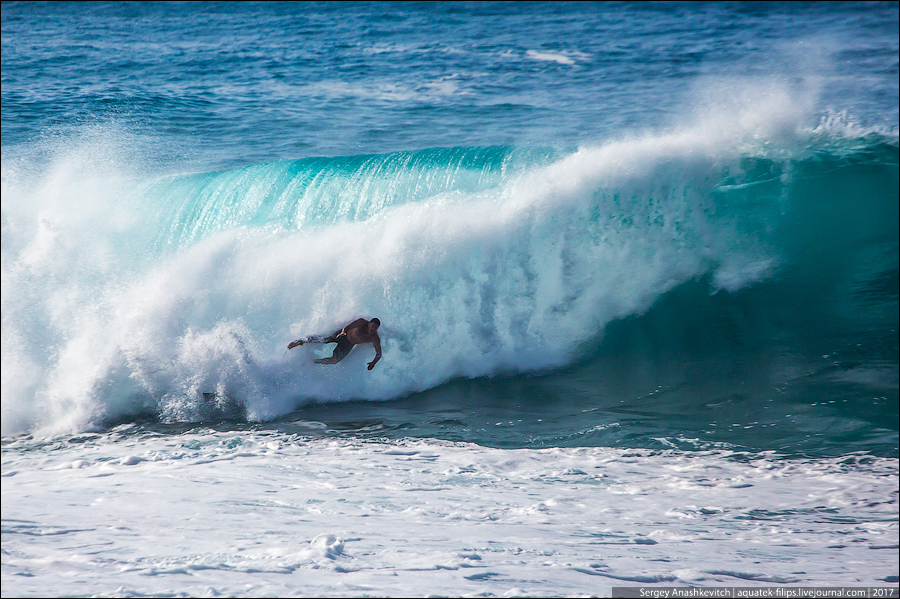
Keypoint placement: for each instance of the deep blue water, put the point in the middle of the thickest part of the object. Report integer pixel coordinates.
(581, 224)
(242, 83)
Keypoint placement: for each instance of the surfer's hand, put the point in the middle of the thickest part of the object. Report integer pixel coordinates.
(294, 344)
(371, 365)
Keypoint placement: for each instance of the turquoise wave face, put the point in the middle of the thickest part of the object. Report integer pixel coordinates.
(315, 193)
(659, 287)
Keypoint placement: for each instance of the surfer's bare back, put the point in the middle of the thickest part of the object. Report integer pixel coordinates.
(357, 332)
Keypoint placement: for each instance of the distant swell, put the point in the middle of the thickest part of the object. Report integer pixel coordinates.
(176, 295)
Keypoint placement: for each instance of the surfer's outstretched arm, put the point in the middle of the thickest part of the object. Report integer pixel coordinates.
(377, 343)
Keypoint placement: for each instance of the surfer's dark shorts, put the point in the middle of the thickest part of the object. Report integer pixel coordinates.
(343, 347)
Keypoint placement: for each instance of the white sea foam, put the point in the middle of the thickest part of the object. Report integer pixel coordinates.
(556, 57)
(388, 91)
(272, 514)
(844, 124)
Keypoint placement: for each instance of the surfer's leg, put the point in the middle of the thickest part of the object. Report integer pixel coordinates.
(319, 339)
(313, 339)
(340, 352)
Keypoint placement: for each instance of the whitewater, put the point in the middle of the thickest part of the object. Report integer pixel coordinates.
(639, 299)
(267, 514)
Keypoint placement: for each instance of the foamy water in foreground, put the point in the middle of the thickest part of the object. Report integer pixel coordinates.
(209, 513)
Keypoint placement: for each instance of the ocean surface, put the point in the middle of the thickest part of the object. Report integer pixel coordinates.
(636, 266)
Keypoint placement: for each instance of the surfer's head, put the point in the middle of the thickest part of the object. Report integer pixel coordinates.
(373, 325)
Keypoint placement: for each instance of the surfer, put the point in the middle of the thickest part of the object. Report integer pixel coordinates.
(357, 332)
